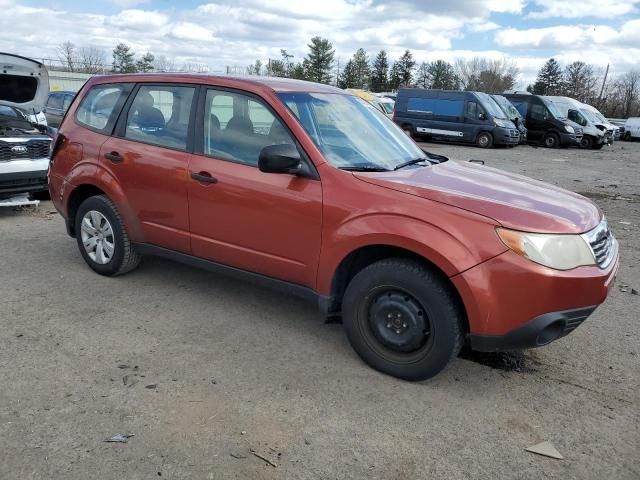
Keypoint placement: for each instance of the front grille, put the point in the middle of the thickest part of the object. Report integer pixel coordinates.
(29, 149)
(602, 243)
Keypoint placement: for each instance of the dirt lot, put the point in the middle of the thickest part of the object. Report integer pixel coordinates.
(202, 369)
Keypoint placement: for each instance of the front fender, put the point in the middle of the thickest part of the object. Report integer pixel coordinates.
(467, 243)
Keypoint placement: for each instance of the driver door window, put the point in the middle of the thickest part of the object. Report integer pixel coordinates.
(237, 127)
(539, 112)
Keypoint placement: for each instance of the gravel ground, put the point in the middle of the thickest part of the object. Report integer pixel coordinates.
(203, 369)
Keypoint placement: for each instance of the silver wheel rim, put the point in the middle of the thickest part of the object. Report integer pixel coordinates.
(484, 140)
(97, 237)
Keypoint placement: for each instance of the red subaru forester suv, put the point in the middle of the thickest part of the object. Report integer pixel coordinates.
(311, 190)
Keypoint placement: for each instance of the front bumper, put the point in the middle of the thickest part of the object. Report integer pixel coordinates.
(512, 302)
(23, 182)
(506, 136)
(570, 139)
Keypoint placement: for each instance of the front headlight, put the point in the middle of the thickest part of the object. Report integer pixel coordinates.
(569, 129)
(561, 252)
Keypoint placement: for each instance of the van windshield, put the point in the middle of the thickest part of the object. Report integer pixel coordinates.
(350, 132)
(507, 107)
(490, 106)
(553, 109)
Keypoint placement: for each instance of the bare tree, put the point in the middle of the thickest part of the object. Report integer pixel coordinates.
(580, 81)
(163, 64)
(68, 55)
(92, 60)
(486, 75)
(628, 88)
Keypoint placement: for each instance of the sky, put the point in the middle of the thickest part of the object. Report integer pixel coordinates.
(236, 33)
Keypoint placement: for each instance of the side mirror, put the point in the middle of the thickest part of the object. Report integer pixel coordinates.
(283, 158)
(516, 122)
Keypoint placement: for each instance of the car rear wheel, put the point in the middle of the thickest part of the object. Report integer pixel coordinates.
(551, 140)
(484, 140)
(402, 319)
(102, 239)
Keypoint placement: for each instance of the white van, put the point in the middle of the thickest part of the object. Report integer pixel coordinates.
(594, 136)
(632, 128)
(24, 144)
(599, 118)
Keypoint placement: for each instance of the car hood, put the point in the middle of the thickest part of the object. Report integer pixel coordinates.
(24, 83)
(514, 201)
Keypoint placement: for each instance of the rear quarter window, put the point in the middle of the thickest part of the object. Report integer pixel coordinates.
(100, 106)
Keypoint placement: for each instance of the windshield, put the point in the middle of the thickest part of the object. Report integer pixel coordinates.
(507, 107)
(589, 115)
(553, 109)
(350, 132)
(490, 106)
(387, 106)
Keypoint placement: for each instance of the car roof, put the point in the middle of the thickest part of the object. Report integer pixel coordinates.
(274, 84)
(65, 92)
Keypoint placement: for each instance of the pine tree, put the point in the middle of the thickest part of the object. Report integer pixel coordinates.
(319, 61)
(442, 76)
(549, 80)
(361, 69)
(123, 59)
(379, 73)
(395, 76)
(348, 77)
(145, 64)
(406, 64)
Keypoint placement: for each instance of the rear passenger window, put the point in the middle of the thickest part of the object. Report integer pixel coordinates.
(159, 114)
(237, 127)
(98, 106)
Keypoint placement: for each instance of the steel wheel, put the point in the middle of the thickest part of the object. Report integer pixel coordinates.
(97, 237)
(399, 323)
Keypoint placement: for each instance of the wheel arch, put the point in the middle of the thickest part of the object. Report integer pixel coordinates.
(363, 256)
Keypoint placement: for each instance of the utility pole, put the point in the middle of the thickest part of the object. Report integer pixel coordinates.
(604, 81)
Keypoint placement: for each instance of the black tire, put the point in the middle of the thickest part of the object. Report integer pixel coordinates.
(484, 140)
(409, 131)
(586, 142)
(124, 257)
(627, 136)
(551, 140)
(433, 333)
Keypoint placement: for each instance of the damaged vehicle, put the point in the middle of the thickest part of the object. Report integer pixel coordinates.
(24, 145)
(594, 134)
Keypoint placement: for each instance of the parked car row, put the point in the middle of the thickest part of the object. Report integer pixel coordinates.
(502, 119)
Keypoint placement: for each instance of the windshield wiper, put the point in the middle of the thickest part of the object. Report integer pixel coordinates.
(364, 168)
(411, 162)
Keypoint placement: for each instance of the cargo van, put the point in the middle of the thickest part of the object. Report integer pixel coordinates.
(612, 131)
(632, 129)
(594, 134)
(545, 123)
(471, 117)
(513, 114)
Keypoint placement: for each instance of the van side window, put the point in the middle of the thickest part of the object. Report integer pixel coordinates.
(98, 106)
(237, 127)
(538, 112)
(159, 114)
(472, 109)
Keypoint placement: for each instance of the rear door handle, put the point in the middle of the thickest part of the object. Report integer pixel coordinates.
(113, 156)
(204, 177)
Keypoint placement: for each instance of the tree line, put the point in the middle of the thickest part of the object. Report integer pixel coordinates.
(619, 97)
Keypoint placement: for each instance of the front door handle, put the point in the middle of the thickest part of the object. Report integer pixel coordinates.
(113, 156)
(204, 177)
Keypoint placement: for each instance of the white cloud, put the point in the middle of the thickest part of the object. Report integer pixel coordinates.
(583, 8)
(484, 27)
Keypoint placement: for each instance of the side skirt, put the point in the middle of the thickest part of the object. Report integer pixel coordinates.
(289, 288)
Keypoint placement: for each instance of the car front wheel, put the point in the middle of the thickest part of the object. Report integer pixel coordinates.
(403, 319)
(102, 238)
